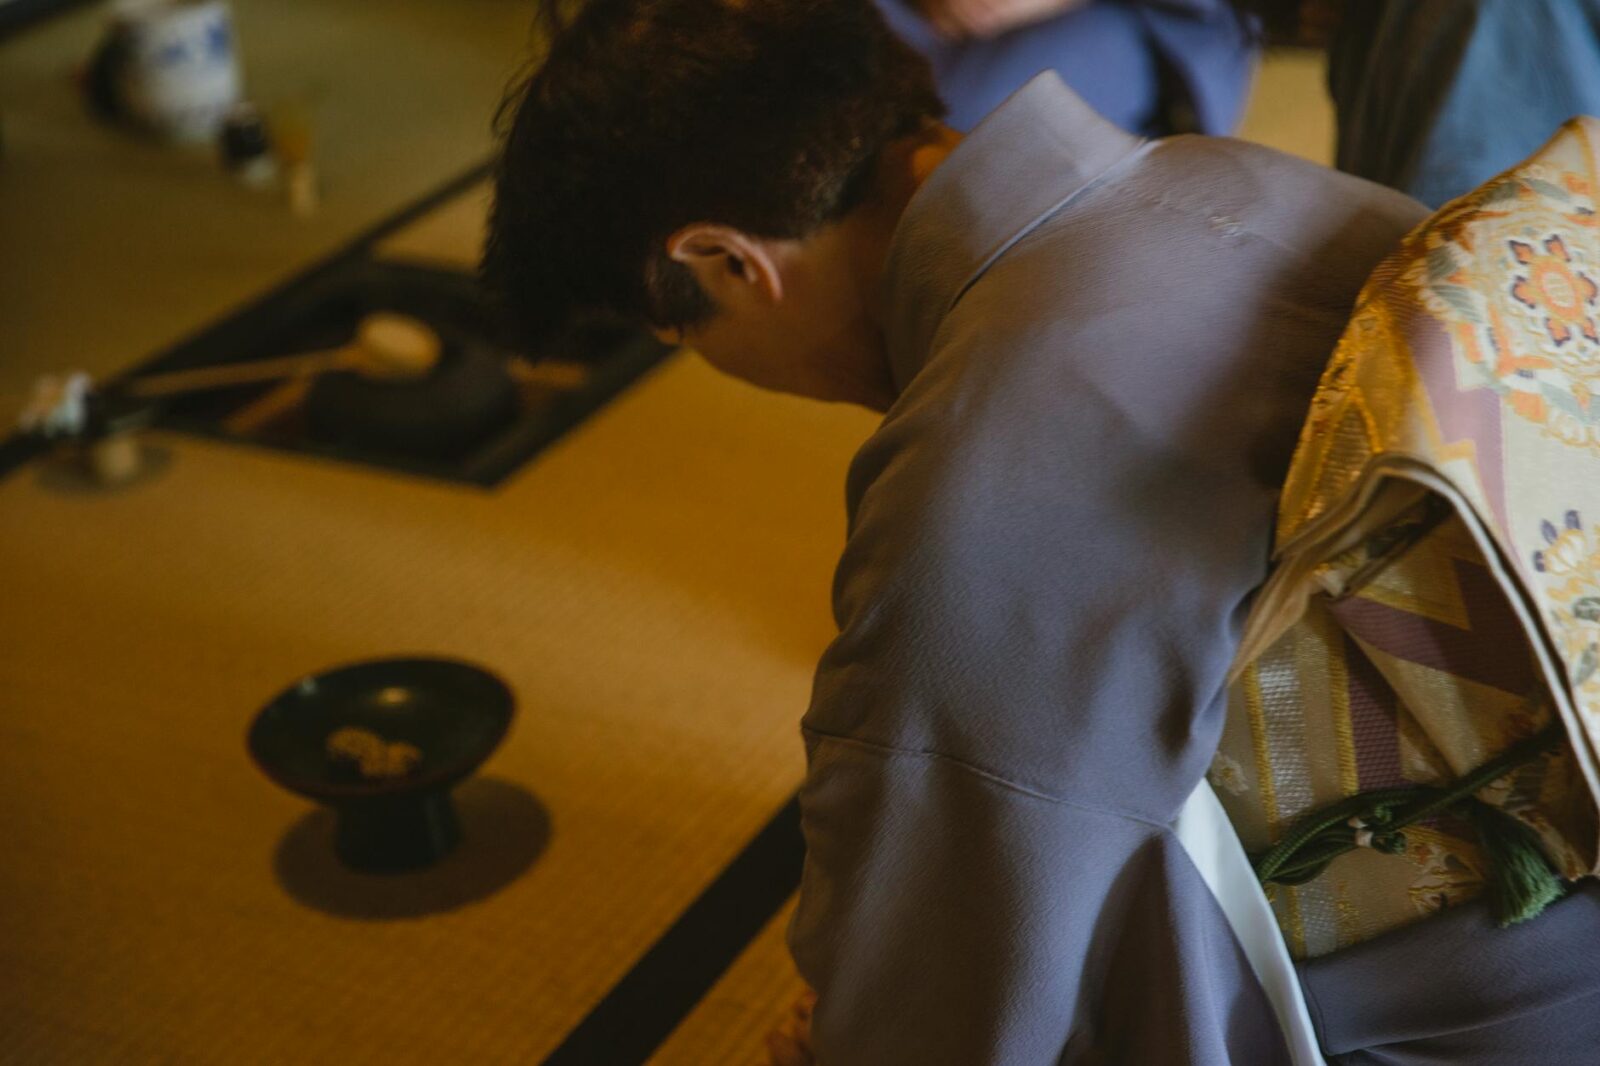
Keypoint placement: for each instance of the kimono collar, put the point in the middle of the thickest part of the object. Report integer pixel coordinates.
(1024, 162)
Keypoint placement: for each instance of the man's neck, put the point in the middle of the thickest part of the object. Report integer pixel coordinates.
(929, 150)
(904, 166)
(851, 256)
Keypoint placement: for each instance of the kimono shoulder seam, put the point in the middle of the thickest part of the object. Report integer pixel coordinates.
(887, 751)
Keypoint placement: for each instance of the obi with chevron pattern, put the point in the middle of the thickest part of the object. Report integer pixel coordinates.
(1436, 595)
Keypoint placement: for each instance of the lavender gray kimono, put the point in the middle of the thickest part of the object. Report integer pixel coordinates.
(1104, 349)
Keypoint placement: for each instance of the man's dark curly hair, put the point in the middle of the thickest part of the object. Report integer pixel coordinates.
(647, 115)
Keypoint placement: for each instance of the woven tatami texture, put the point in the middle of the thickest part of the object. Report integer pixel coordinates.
(654, 589)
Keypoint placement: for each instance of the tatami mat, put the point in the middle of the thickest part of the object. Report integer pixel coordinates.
(656, 592)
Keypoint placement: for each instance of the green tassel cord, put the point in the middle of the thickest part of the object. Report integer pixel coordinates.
(1520, 883)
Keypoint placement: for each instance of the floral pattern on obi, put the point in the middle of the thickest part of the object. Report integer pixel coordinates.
(1508, 272)
(1449, 869)
(1559, 294)
(1228, 774)
(1570, 563)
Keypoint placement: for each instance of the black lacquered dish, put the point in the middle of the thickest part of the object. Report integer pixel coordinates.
(445, 717)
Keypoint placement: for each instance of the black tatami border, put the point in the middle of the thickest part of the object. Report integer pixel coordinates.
(641, 1010)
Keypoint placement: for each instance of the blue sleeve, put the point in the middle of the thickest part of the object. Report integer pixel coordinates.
(1111, 53)
(1437, 97)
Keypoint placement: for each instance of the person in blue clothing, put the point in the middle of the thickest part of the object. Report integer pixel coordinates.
(1435, 97)
(1153, 67)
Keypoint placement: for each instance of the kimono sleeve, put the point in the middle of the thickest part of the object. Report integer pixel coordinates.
(997, 744)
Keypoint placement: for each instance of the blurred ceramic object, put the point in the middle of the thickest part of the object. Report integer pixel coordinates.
(59, 405)
(246, 147)
(111, 446)
(115, 460)
(169, 65)
(294, 142)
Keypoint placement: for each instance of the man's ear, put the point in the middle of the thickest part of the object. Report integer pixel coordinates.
(728, 263)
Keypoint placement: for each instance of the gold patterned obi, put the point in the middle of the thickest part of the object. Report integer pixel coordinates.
(1436, 594)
